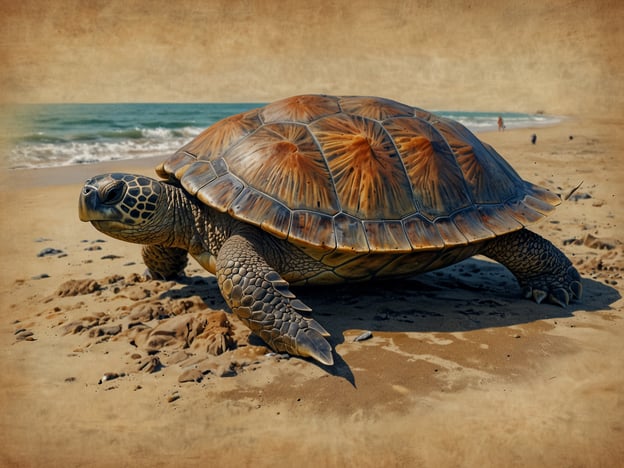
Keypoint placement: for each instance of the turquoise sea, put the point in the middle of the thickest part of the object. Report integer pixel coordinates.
(67, 134)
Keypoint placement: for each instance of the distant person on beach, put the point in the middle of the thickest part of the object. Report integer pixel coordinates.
(501, 124)
(533, 138)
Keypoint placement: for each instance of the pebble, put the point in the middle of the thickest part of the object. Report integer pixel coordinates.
(24, 335)
(364, 336)
(48, 251)
(278, 355)
(109, 376)
(41, 276)
(191, 375)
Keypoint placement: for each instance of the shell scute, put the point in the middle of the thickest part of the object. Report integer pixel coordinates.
(387, 236)
(488, 176)
(252, 205)
(422, 233)
(305, 224)
(220, 192)
(437, 181)
(523, 212)
(497, 218)
(350, 234)
(374, 108)
(367, 171)
(471, 226)
(284, 161)
(449, 232)
(198, 174)
(304, 108)
(175, 164)
(217, 138)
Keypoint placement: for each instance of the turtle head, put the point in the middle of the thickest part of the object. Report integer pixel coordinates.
(125, 206)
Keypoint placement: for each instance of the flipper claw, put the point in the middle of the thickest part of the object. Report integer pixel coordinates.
(560, 297)
(310, 343)
(314, 325)
(538, 295)
(577, 289)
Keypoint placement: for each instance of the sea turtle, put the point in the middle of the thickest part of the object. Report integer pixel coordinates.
(318, 189)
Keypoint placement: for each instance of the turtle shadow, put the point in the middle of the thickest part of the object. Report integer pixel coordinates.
(471, 295)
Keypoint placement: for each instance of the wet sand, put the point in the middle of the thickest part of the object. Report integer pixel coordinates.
(101, 367)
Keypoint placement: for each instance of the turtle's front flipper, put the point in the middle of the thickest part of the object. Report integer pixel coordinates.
(164, 262)
(542, 270)
(260, 297)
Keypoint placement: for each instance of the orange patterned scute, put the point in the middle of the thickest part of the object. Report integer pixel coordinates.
(217, 138)
(489, 177)
(436, 178)
(368, 173)
(305, 108)
(374, 108)
(283, 161)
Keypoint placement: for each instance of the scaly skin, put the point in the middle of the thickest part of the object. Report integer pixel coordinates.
(251, 265)
(164, 262)
(542, 270)
(261, 299)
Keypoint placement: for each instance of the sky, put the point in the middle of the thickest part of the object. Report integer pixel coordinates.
(560, 56)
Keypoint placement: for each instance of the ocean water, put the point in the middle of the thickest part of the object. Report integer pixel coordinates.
(67, 134)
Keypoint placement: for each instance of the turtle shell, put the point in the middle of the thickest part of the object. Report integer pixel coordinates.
(357, 174)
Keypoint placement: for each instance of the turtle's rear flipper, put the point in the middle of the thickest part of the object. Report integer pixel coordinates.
(543, 271)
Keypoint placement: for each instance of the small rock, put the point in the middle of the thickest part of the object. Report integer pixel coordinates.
(110, 257)
(594, 242)
(110, 330)
(108, 376)
(191, 375)
(24, 335)
(41, 276)
(49, 251)
(364, 336)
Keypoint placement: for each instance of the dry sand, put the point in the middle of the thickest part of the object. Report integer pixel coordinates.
(460, 370)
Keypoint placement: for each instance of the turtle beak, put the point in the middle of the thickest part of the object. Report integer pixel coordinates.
(91, 205)
(88, 202)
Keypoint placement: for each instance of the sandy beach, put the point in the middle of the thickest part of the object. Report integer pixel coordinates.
(101, 367)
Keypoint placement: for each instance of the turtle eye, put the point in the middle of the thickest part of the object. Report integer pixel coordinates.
(113, 193)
